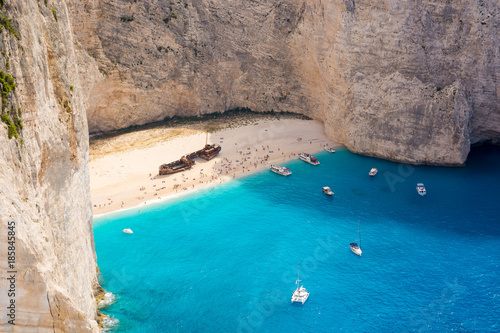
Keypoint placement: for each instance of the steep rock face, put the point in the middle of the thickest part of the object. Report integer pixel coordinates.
(356, 65)
(413, 81)
(423, 79)
(44, 185)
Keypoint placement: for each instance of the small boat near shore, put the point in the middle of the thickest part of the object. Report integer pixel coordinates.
(373, 172)
(329, 149)
(421, 189)
(327, 191)
(280, 170)
(300, 294)
(128, 231)
(308, 158)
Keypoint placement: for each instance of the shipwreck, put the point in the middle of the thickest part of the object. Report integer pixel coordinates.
(187, 161)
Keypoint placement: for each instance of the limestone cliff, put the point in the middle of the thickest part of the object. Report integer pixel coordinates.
(44, 186)
(414, 81)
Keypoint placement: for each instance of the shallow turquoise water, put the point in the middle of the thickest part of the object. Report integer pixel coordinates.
(226, 259)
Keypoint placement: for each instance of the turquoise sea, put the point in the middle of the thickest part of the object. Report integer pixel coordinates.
(226, 259)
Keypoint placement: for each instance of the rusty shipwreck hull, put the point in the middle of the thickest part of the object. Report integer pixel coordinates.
(187, 161)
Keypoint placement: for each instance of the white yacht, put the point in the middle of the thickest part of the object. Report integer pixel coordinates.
(308, 158)
(421, 189)
(128, 231)
(373, 172)
(354, 246)
(300, 294)
(329, 149)
(327, 191)
(284, 171)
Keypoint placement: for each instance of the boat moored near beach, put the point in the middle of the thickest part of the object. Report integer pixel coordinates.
(373, 172)
(421, 189)
(128, 231)
(281, 170)
(327, 191)
(329, 149)
(308, 158)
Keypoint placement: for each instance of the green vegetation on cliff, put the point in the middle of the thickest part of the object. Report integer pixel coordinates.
(11, 118)
(127, 18)
(14, 124)
(8, 85)
(54, 13)
(6, 23)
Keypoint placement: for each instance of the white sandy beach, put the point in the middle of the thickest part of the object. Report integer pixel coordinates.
(129, 178)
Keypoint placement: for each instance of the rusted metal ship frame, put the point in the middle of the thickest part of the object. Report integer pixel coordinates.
(187, 161)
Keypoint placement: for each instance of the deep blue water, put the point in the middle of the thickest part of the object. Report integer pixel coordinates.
(226, 259)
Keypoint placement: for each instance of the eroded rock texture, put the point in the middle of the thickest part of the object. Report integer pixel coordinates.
(413, 81)
(44, 186)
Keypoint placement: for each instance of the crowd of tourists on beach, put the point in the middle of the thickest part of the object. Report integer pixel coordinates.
(251, 159)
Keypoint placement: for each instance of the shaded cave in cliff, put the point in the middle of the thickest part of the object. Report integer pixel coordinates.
(236, 114)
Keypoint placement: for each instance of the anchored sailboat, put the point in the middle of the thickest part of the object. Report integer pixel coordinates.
(300, 294)
(354, 246)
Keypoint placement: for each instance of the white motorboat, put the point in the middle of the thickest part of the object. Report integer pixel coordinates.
(354, 246)
(308, 158)
(421, 189)
(327, 191)
(284, 171)
(128, 231)
(329, 149)
(300, 294)
(373, 172)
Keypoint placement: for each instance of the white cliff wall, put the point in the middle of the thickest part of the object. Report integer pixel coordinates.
(414, 81)
(422, 79)
(44, 185)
